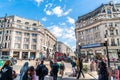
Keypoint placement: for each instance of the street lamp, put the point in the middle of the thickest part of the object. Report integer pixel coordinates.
(106, 45)
(79, 50)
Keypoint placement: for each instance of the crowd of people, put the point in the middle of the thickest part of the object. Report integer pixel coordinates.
(40, 71)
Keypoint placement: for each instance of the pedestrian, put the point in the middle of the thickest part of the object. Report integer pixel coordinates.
(62, 68)
(103, 72)
(23, 70)
(41, 70)
(14, 75)
(6, 71)
(92, 66)
(55, 68)
(80, 68)
(77, 64)
(30, 74)
(51, 63)
(73, 68)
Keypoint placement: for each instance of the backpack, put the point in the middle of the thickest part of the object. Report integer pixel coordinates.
(37, 70)
(45, 70)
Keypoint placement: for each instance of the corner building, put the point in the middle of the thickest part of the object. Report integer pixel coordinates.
(92, 27)
(22, 38)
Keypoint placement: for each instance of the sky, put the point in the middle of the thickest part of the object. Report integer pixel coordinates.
(58, 16)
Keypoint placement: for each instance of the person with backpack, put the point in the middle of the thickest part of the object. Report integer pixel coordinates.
(55, 68)
(6, 71)
(73, 67)
(41, 70)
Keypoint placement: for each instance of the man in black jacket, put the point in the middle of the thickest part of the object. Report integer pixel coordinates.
(55, 68)
(6, 71)
(39, 71)
(80, 68)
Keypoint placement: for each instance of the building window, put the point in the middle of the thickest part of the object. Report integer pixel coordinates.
(116, 32)
(34, 40)
(0, 32)
(6, 38)
(18, 21)
(25, 46)
(26, 39)
(17, 46)
(5, 45)
(18, 33)
(26, 34)
(118, 42)
(34, 29)
(106, 32)
(111, 32)
(26, 23)
(27, 28)
(17, 38)
(112, 42)
(108, 11)
(34, 24)
(34, 35)
(33, 47)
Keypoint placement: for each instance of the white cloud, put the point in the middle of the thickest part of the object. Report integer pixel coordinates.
(69, 33)
(60, 0)
(67, 12)
(48, 12)
(57, 31)
(38, 2)
(56, 10)
(70, 20)
(44, 19)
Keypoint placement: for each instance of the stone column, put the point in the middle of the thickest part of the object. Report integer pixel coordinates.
(20, 55)
(37, 55)
(11, 53)
(29, 55)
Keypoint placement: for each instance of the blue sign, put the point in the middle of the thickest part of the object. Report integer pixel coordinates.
(92, 45)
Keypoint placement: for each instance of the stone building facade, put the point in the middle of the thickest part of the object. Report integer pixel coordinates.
(92, 27)
(63, 48)
(23, 38)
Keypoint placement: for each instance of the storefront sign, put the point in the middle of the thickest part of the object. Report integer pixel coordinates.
(92, 45)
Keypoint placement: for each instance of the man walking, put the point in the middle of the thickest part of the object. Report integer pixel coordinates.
(41, 70)
(55, 68)
(80, 68)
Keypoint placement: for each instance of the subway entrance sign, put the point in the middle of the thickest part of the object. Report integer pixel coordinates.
(92, 45)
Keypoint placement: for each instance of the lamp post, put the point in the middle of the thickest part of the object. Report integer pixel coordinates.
(79, 50)
(106, 45)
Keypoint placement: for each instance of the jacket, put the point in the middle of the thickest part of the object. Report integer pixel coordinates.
(6, 73)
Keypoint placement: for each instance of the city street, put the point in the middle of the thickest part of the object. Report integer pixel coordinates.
(68, 71)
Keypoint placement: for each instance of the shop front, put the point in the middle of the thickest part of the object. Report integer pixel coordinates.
(16, 55)
(32, 55)
(24, 55)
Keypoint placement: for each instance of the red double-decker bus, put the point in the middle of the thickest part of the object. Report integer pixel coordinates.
(58, 56)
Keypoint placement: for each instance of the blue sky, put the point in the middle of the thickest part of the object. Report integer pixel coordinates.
(58, 16)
